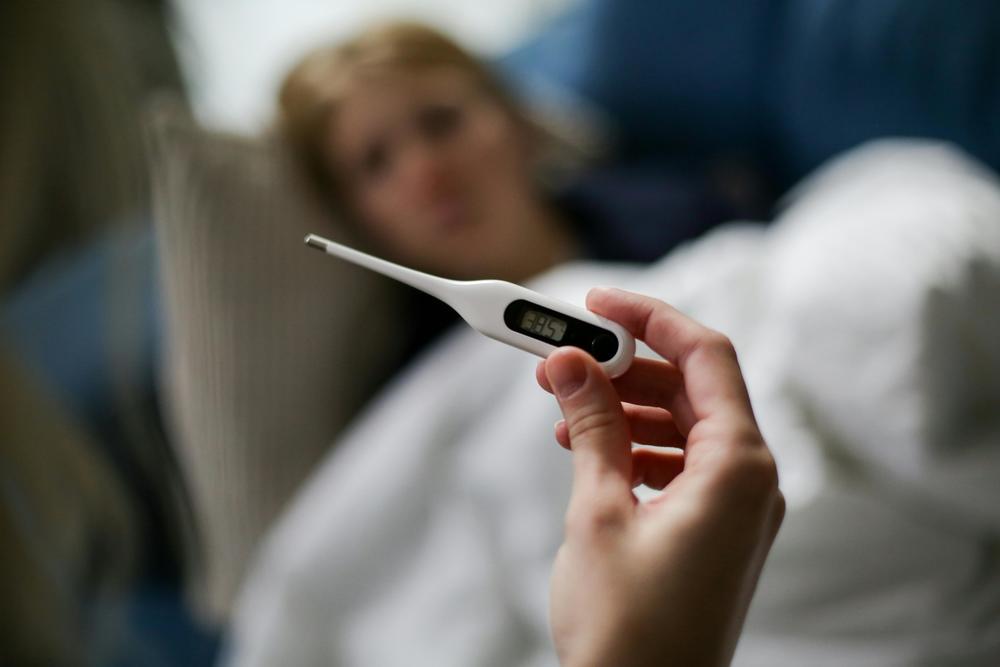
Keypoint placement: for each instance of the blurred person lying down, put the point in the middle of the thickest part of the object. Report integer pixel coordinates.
(428, 535)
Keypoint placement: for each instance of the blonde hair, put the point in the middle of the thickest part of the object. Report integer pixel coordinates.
(318, 84)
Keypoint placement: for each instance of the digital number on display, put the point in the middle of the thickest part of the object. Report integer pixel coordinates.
(544, 325)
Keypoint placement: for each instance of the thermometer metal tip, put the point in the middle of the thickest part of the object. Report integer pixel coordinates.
(315, 242)
(507, 312)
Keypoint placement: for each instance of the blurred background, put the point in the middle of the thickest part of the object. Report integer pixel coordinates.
(235, 87)
(135, 135)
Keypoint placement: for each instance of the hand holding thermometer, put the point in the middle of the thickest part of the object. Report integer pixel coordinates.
(509, 313)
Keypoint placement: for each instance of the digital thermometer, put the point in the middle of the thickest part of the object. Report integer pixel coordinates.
(509, 313)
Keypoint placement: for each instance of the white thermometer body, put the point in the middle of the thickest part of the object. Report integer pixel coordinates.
(509, 313)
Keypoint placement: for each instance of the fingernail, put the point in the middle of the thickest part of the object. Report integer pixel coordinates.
(567, 374)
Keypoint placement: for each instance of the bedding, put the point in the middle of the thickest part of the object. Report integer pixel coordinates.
(867, 325)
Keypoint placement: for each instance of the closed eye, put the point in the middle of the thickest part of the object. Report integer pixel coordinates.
(375, 160)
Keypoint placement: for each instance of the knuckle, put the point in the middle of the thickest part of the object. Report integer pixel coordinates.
(594, 519)
(762, 477)
(592, 419)
(778, 513)
(715, 342)
(747, 437)
(752, 475)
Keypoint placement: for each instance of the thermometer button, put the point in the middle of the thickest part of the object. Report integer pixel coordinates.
(604, 346)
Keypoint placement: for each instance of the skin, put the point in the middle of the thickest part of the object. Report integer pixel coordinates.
(669, 581)
(440, 175)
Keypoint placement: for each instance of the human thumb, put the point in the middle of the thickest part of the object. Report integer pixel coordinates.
(598, 431)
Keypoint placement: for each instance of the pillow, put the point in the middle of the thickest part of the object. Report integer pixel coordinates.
(271, 347)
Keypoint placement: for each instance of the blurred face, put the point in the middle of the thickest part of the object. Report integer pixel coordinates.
(436, 171)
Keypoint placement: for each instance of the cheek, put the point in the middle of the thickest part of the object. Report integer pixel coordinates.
(389, 222)
(379, 213)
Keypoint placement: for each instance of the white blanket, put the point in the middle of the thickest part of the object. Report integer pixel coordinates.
(868, 325)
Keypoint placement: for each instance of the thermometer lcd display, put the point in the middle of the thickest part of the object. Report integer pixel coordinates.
(558, 329)
(543, 324)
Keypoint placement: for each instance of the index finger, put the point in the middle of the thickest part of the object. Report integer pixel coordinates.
(706, 359)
